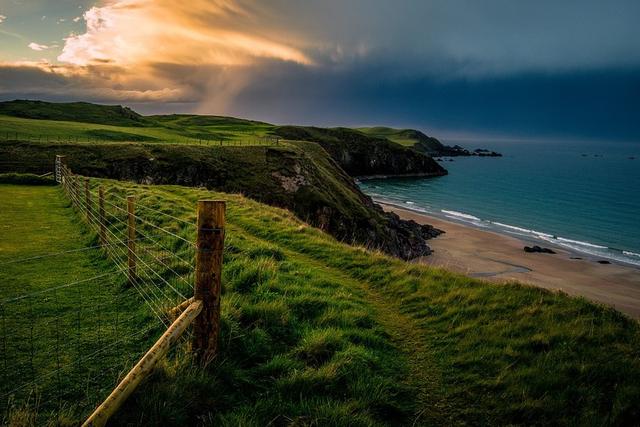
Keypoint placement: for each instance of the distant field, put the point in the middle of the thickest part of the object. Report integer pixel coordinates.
(395, 135)
(181, 129)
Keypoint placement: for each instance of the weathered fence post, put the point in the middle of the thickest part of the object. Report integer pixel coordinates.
(74, 190)
(101, 217)
(60, 162)
(131, 241)
(209, 247)
(87, 199)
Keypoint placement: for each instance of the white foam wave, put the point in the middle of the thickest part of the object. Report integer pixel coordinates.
(578, 242)
(461, 215)
(523, 230)
(592, 249)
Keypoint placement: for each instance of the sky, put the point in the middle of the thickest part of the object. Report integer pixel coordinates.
(567, 69)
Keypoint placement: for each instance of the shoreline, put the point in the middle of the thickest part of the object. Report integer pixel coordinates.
(497, 257)
(400, 176)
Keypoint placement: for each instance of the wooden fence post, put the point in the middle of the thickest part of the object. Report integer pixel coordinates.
(74, 190)
(87, 198)
(60, 162)
(131, 241)
(101, 217)
(209, 247)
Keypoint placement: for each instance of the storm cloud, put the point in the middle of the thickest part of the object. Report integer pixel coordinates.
(544, 67)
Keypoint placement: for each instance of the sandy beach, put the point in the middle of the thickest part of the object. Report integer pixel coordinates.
(498, 257)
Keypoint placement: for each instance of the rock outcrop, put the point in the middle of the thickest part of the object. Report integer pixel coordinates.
(538, 249)
(361, 155)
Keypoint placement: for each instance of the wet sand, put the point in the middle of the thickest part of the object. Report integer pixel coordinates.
(498, 257)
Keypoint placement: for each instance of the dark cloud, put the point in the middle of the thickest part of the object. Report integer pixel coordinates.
(543, 68)
(590, 104)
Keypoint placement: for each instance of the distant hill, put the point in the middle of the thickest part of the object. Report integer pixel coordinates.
(189, 120)
(361, 155)
(303, 171)
(423, 143)
(407, 137)
(115, 115)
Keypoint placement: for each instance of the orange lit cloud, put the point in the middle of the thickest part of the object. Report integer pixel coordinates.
(133, 32)
(198, 51)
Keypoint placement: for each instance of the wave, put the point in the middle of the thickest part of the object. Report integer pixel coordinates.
(523, 230)
(592, 249)
(632, 254)
(578, 242)
(461, 215)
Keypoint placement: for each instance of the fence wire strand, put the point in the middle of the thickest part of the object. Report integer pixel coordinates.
(59, 332)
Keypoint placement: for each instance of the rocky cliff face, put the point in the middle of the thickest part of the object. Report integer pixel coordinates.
(300, 177)
(361, 155)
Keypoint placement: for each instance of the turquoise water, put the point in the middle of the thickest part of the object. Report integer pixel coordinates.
(581, 196)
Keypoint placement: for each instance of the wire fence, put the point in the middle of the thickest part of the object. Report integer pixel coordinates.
(65, 345)
(243, 140)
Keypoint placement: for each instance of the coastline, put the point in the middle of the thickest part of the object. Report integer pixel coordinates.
(401, 175)
(497, 257)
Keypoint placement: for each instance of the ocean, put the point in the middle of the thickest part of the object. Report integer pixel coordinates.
(584, 197)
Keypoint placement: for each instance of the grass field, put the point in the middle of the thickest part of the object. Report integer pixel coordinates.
(395, 135)
(56, 354)
(406, 137)
(172, 129)
(317, 332)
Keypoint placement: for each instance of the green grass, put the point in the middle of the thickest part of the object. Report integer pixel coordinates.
(406, 137)
(317, 332)
(325, 195)
(314, 332)
(391, 134)
(162, 131)
(50, 362)
(26, 179)
(73, 111)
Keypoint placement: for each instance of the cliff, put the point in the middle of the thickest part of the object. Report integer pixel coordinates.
(298, 176)
(423, 143)
(361, 155)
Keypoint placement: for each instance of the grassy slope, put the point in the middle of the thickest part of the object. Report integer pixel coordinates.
(391, 134)
(328, 199)
(157, 131)
(73, 111)
(360, 154)
(406, 137)
(315, 331)
(70, 323)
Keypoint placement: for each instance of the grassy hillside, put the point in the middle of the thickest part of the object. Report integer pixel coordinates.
(316, 332)
(407, 137)
(159, 131)
(73, 111)
(363, 155)
(297, 175)
(44, 121)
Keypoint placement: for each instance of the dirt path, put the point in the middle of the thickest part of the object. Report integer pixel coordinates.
(409, 338)
(424, 375)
